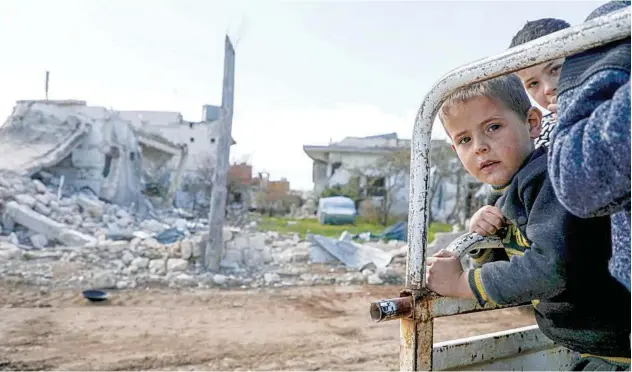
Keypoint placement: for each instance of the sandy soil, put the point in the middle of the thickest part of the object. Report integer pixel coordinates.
(308, 328)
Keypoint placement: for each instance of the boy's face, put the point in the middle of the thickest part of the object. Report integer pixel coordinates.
(491, 140)
(540, 81)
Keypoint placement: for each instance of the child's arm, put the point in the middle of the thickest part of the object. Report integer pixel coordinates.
(589, 153)
(541, 272)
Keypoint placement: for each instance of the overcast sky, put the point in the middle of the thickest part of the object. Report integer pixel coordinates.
(306, 72)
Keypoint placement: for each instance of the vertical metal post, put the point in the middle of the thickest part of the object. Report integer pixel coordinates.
(416, 334)
(46, 84)
(215, 245)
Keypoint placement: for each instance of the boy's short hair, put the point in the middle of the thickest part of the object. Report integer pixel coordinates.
(507, 89)
(536, 29)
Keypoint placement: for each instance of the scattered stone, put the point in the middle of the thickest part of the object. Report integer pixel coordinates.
(42, 209)
(186, 249)
(180, 224)
(127, 257)
(271, 278)
(153, 226)
(177, 264)
(294, 255)
(140, 263)
(390, 276)
(92, 206)
(220, 279)
(157, 266)
(9, 251)
(374, 279)
(39, 186)
(26, 200)
(122, 284)
(13, 238)
(18, 187)
(104, 280)
(38, 241)
(141, 235)
(45, 199)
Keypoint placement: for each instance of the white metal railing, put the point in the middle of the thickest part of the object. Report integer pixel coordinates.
(417, 307)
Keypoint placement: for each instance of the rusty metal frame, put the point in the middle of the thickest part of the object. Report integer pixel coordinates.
(417, 307)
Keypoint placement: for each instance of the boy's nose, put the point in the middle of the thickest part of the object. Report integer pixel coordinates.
(481, 147)
(550, 88)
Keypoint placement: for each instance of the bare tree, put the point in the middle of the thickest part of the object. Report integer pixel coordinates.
(385, 180)
(446, 168)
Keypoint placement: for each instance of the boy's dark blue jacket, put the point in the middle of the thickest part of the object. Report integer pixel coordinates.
(559, 262)
(589, 158)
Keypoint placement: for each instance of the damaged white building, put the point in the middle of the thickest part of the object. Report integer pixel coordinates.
(336, 164)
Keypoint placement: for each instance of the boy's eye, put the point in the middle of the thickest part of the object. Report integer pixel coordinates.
(493, 127)
(532, 84)
(556, 69)
(464, 140)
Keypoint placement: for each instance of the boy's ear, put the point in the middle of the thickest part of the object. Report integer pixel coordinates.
(534, 120)
(452, 147)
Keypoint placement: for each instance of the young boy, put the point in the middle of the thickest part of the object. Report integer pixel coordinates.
(540, 81)
(558, 261)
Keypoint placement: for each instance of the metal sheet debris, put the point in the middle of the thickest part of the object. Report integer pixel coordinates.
(351, 254)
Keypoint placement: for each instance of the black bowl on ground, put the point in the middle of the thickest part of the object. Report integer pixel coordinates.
(95, 295)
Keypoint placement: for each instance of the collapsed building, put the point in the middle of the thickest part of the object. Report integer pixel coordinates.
(79, 155)
(85, 147)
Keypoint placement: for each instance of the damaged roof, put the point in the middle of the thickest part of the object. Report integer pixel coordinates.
(29, 143)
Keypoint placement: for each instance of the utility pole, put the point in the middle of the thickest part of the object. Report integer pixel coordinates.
(46, 84)
(215, 245)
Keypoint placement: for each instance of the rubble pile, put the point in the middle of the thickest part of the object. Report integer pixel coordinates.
(251, 260)
(36, 215)
(50, 238)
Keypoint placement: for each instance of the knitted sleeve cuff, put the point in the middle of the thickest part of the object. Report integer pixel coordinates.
(476, 284)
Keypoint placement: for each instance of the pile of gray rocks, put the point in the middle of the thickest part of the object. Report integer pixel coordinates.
(251, 260)
(79, 241)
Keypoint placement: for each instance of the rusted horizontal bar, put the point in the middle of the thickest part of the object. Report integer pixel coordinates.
(391, 309)
(493, 346)
(439, 306)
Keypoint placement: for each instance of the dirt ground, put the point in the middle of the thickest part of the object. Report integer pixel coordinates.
(303, 328)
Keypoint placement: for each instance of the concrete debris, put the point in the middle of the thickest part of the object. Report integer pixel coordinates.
(39, 241)
(251, 260)
(31, 210)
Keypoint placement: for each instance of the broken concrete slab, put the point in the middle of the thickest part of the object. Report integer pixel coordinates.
(34, 221)
(41, 224)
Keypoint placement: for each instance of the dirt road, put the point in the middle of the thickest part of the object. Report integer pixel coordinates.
(308, 328)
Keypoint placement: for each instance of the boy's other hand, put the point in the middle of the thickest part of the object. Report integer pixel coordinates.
(445, 275)
(553, 107)
(487, 221)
